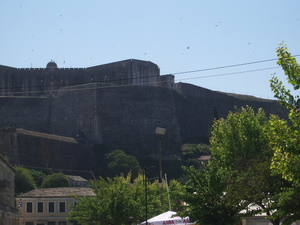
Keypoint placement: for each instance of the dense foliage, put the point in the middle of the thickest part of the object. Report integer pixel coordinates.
(120, 163)
(284, 136)
(206, 197)
(238, 182)
(56, 180)
(38, 177)
(117, 202)
(191, 153)
(24, 182)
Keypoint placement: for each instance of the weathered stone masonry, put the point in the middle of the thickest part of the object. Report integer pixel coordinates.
(118, 104)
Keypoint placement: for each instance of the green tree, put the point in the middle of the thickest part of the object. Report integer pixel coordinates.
(239, 137)
(113, 204)
(241, 152)
(24, 182)
(191, 153)
(118, 203)
(56, 180)
(206, 197)
(38, 177)
(285, 136)
(120, 163)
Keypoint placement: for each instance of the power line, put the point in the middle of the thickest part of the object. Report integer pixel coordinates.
(83, 86)
(230, 66)
(226, 74)
(178, 73)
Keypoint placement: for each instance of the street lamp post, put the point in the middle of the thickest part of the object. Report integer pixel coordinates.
(160, 132)
(145, 182)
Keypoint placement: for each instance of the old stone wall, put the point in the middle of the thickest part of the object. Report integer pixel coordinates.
(46, 82)
(28, 148)
(211, 105)
(125, 117)
(26, 112)
(74, 110)
(121, 117)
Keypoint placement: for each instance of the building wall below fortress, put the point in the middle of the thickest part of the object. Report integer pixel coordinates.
(23, 147)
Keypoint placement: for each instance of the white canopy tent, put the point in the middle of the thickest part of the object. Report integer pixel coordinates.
(168, 218)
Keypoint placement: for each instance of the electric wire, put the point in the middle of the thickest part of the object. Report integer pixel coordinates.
(230, 66)
(104, 85)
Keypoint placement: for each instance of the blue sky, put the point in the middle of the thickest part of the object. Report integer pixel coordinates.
(179, 36)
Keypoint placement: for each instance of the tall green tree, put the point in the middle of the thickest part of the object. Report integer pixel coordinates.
(24, 182)
(285, 136)
(239, 138)
(120, 163)
(206, 197)
(118, 202)
(241, 143)
(241, 152)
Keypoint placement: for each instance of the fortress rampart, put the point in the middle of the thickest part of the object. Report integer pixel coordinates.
(101, 106)
(44, 82)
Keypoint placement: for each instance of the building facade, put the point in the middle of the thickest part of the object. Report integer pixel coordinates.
(49, 206)
(8, 212)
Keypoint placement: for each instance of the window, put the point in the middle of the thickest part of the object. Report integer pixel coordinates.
(62, 223)
(40, 207)
(62, 207)
(51, 223)
(28, 223)
(51, 207)
(29, 207)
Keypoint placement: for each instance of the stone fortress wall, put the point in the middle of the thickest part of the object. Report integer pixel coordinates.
(41, 82)
(104, 107)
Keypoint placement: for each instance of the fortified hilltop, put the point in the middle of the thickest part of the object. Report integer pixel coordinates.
(118, 104)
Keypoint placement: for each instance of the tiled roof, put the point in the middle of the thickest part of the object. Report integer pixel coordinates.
(76, 178)
(58, 192)
(204, 158)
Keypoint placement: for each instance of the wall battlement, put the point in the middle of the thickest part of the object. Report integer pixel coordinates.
(63, 68)
(46, 81)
